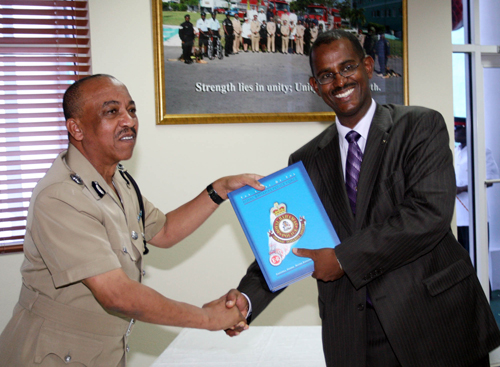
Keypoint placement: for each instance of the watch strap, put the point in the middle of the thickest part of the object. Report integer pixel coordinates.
(213, 195)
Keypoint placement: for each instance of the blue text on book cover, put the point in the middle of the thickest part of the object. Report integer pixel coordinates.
(287, 214)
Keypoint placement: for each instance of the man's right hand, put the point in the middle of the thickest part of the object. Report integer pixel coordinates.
(234, 297)
(221, 317)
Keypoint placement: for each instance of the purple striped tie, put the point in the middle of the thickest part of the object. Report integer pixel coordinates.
(353, 166)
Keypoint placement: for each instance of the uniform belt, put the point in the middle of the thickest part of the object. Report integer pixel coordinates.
(72, 317)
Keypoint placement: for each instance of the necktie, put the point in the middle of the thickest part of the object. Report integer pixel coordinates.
(353, 166)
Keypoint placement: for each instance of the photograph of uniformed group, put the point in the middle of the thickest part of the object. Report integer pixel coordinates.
(247, 56)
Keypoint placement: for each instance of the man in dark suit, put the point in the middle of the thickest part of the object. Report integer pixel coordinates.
(399, 290)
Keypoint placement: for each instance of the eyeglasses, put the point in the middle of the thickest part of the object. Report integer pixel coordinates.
(346, 72)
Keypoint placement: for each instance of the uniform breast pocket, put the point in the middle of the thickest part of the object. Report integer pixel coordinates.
(57, 347)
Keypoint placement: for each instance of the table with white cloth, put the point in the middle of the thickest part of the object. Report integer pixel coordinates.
(259, 346)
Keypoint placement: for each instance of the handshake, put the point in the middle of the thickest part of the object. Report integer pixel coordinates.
(223, 315)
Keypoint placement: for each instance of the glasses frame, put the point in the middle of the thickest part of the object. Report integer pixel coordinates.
(355, 68)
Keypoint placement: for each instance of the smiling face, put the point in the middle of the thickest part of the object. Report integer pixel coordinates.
(105, 130)
(349, 98)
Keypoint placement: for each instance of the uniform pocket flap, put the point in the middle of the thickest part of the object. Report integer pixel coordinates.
(67, 346)
(448, 277)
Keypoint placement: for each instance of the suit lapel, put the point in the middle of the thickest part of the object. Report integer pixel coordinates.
(329, 166)
(372, 158)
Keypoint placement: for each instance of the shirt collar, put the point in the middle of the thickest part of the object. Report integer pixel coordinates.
(362, 127)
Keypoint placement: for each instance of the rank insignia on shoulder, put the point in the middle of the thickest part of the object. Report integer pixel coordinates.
(76, 178)
(100, 191)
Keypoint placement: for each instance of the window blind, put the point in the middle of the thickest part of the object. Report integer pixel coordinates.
(44, 48)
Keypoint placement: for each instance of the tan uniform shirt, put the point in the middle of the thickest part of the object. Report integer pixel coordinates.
(299, 31)
(236, 27)
(271, 28)
(77, 227)
(285, 30)
(255, 28)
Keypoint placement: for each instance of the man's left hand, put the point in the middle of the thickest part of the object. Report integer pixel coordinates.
(225, 185)
(326, 266)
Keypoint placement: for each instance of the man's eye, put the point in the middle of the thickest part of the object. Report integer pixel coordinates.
(133, 110)
(112, 111)
(348, 68)
(326, 76)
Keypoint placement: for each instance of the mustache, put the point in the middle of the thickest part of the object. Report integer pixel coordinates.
(341, 89)
(126, 131)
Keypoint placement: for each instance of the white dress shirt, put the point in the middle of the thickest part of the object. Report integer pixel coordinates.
(362, 128)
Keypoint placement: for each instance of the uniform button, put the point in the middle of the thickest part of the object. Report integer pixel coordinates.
(361, 307)
(134, 235)
(76, 178)
(144, 273)
(67, 359)
(125, 250)
(127, 348)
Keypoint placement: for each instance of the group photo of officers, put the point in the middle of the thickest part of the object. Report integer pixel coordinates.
(256, 32)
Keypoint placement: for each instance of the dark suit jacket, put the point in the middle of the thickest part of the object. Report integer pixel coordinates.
(399, 248)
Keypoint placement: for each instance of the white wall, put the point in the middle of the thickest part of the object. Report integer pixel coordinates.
(174, 163)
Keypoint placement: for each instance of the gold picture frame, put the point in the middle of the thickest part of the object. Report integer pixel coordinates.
(163, 117)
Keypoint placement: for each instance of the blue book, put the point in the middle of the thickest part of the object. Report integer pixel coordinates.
(287, 214)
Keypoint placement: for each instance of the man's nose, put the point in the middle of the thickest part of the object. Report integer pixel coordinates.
(127, 119)
(339, 80)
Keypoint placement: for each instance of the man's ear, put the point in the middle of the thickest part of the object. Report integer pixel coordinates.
(74, 128)
(369, 64)
(314, 84)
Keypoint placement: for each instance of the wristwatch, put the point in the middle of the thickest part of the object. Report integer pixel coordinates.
(213, 195)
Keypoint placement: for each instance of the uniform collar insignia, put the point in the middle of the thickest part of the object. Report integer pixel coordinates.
(100, 191)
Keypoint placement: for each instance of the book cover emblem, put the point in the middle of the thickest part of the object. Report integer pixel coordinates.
(286, 231)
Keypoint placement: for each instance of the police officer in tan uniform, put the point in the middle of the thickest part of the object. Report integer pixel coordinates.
(84, 244)
(271, 33)
(299, 38)
(237, 34)
(255, 28)
(285, 35)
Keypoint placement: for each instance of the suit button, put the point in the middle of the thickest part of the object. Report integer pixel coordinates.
(67, 359)
(134, 235)
(361, 307)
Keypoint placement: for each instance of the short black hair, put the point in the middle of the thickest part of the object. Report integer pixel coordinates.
(325, 38)
(71, 99)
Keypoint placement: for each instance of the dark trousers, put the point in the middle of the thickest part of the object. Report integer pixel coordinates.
(379, 352)
(277, 43)
(228, 48)
(187, 49)
(463, 236)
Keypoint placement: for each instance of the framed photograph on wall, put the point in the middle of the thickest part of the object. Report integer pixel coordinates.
(269, 86)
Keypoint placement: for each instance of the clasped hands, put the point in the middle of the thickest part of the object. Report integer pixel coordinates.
(326, 268)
